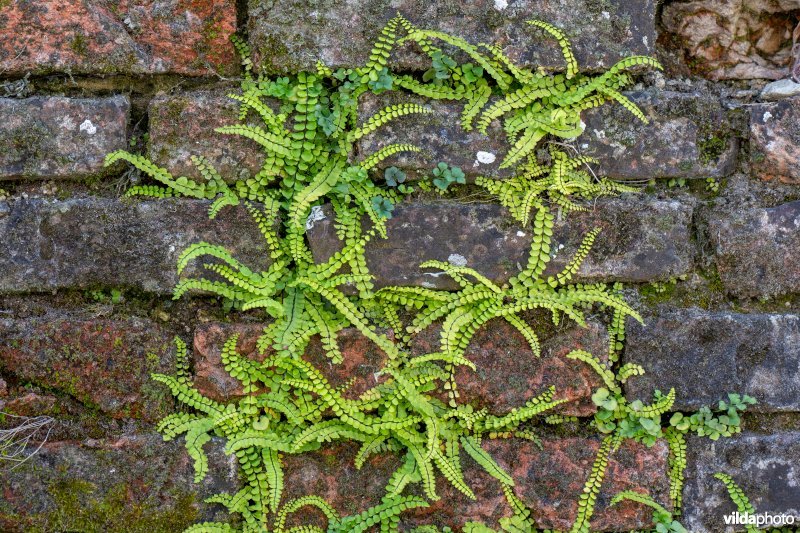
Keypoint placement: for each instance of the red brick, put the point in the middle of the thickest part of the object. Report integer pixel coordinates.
(56, 137)
(361, 359)
(509, 374)
(102, 363)
(549, 481)
(187, 37)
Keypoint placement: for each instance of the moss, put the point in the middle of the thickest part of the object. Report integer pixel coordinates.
(656, 293)
(79, 45)
(78, 507)
(712, 147)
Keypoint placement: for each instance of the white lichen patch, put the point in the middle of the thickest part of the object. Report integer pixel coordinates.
(316, 215)
(88, 127)
(767, 116)
(457, 260)
(485, 158)
(500, 4)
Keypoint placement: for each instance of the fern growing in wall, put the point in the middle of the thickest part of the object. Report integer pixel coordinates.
(307, 127)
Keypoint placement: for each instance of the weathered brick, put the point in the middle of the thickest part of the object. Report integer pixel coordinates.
(642, 239)
(549, 481)
(187, 37)
(775, 140)
(183, 125)
(134, 483)
(56, 137)
(440, 136)
(73, 419)
(362, 359)
(756, 354)
(764, 466)
(689, 135)
(731, 40)
(757, 250)
(85, 242)
(292, 35)
(509, 374)
(102, 363)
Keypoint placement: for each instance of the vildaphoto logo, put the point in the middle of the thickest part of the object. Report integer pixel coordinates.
(759, 519)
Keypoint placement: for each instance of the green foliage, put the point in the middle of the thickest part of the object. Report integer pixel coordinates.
(739, 498)
(306, 126)
(663, 519)
(444, 175)
(561, 182)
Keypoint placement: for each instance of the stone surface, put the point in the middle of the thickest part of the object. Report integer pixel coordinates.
(689, 136)
(757, 250)
(188, 37)
(56, 137)
(102, 363)
(509, 374)
(183, 125)
(764, 466)
(705, 355)
(775, 140)
(72, 419)
(642, 239)
(362, 359)
(440, 136)
(731, 40)
(86, 242)
(549, 481)
(293, 35)
(778, 90)
(136, 483)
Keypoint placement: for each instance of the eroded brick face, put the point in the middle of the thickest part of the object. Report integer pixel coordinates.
(775, 141)
(101, 363)
(56, 137)
(187, 37)
(548, 480)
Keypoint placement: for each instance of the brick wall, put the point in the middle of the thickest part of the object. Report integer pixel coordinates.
(85, 276)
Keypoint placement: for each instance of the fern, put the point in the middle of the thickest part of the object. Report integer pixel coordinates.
(588, 498)
(739, 498)
(310, 158)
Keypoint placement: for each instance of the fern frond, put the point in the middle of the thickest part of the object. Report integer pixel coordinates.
(563, 42)
(577, 260)
(153, 191)
(677, 465)
(320, 185)
(485, 460)
(602, 370)
(739, 498)
(384, 116)
(372, 160)
(272, 142)
(588, 498)
(524, 145)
